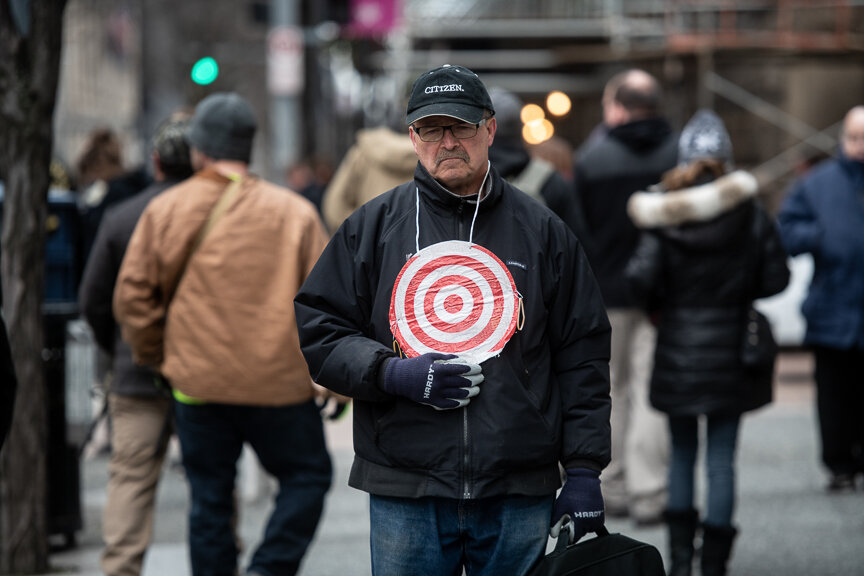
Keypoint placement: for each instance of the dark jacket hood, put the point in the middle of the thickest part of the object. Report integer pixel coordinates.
(854, 170)
(508, 157)
(641, 135)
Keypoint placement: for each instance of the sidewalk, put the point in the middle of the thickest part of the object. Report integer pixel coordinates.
(789, 525)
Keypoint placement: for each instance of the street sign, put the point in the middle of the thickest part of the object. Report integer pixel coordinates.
(285, 70)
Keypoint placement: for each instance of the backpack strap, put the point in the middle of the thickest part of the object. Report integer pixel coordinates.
(213, 217)
(533, 177)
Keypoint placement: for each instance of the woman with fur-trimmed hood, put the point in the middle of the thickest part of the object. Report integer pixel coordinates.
(707, 251)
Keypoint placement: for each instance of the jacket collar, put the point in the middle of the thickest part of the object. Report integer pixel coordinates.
(645, 134)
(434, 192)
(854, 169)
(214, 175)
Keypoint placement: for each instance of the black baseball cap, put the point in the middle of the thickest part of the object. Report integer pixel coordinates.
(449, 90)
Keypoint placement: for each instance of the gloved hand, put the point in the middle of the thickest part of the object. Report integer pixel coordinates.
(438, 380)
(581, 500)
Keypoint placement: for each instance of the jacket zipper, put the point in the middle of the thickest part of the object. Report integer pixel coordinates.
(466, 436)
(466, 458)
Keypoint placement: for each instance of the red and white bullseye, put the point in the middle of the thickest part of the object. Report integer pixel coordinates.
(456, 298)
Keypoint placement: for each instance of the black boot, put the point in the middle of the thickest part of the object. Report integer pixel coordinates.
(716, 548)
(682, 526)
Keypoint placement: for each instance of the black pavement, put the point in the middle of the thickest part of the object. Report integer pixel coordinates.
(788, 524)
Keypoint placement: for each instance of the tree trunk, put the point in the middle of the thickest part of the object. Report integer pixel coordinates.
(30, 41)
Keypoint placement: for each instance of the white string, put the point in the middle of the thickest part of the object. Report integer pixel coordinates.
(473, 219)
(417, 221)
(479, 199)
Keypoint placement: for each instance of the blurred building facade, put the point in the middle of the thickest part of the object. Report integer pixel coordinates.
(778, 72)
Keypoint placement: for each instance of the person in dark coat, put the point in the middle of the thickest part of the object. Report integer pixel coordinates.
(537, 178)
(632, 151)
(139, 400)
(823, 215)
(701, 277)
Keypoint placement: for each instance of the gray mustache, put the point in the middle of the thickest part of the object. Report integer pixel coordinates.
(448, 155)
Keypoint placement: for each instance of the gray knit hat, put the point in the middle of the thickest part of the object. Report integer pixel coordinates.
(703, 137)
(223, 127)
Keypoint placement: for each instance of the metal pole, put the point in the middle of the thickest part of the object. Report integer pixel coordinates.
(285, 128)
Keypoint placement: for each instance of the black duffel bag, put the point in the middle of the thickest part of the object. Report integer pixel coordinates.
(606, 555)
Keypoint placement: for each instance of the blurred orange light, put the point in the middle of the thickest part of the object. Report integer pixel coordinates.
(531, 112)
(558, 103)
(537, 131)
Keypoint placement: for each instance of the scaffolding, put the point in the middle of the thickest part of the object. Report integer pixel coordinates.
(673, 25)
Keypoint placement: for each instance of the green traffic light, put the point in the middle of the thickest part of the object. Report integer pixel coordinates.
(205, 71)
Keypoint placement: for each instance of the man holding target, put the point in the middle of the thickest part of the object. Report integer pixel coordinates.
(462, 317)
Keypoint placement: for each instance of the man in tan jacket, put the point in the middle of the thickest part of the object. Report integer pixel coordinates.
(379, 160)
(205, 294)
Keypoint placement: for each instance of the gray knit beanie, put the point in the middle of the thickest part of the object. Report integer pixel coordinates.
(223, 127)
(704, 137)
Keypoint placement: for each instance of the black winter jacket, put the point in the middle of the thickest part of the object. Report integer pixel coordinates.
(545, 398)
(628, 158)
(702, 277)
(97, 290)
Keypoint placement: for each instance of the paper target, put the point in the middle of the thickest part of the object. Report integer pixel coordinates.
(455, 298)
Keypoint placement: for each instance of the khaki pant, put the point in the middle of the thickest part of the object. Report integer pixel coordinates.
(139, 440)
(635, 480)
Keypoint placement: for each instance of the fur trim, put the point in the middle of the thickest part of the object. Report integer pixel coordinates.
(653, 210)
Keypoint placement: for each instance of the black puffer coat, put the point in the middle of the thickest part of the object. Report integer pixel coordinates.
(700, 278)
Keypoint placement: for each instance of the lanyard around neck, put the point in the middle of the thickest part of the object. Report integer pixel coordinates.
(473, 219)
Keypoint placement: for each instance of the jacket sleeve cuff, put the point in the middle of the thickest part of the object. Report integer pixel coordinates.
(582, 463)
(381, 371)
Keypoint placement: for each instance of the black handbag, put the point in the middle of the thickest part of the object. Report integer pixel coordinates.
(758, 347)
(606, 555)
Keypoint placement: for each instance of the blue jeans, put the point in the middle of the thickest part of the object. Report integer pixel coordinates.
(722, 438)
(289, 443)
(422, 536)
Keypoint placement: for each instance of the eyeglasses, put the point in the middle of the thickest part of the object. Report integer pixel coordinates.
(436, 133)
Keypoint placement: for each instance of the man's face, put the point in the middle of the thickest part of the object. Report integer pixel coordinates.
(853, 135)
(458, 164)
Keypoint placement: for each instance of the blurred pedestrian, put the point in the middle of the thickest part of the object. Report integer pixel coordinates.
(701, 277)
(537, 178)
(309, 178)
(823, 214)
(139, 400)
(558, 152)
(103, 182)
(379, 160)
(633, 154)
(100, 160)
(201, 295)
(459, 445)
